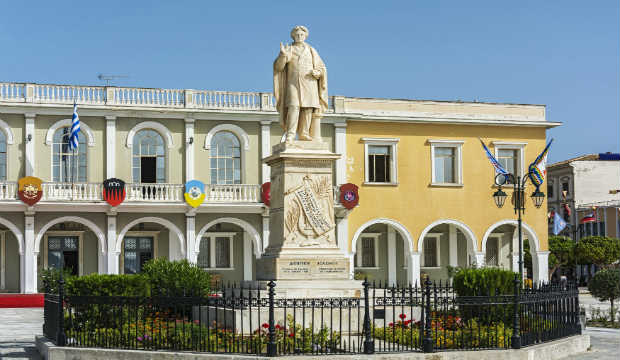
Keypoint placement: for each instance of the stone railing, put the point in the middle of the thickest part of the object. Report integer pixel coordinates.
(8, 190)
(154, 192)
(232, 193)
(59, 191)
(136, 97)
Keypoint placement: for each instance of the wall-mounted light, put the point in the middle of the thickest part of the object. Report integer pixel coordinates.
(29, 138)
(190, 140)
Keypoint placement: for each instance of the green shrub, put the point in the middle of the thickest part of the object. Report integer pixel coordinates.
(107, 285)
(483, 281)
(605, 285)
(49, 278)
(599, 250)
(176, 278)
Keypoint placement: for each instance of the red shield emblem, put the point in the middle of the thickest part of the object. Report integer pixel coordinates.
(113, 191)
(349, 196)
(265, 191)
(29, 189)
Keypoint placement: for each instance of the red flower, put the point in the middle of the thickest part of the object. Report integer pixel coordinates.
(291, 335)
(402, 316)
(278, 327)
(265, 326)
(391, 324)
(407, 322)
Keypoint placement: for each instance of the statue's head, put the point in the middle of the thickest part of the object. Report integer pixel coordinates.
(299, 33)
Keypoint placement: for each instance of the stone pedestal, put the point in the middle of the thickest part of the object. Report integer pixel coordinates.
(303, 254)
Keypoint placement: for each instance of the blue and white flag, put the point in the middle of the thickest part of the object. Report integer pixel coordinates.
(558, 224)
(499, 169)
(75, 129)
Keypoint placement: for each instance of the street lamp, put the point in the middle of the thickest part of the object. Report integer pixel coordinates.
(538, 197)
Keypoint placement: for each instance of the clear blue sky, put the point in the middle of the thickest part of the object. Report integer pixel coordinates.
(564, 54)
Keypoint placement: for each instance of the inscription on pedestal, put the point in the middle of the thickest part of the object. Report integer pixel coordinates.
(309, 268)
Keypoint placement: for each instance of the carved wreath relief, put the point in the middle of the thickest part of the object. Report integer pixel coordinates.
(309, 218)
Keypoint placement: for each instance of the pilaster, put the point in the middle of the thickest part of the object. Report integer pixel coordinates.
(541, 270)
(453, 246)
(30, 257)
(391, 249)
(265, 142)
(340, 130)
(29, 139)
(110, 146)
(190, 235)
(112, 255)
(413, 269)
(189, 148)
(247, 256)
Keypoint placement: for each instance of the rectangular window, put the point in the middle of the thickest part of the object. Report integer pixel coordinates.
(508, 158)
(446, 162)
(216, 251)
(380, 160)
(492, 255)
(550, 192)
(378, 163)
(138, 250)
(431, 251)
(565, 187)
(367, 251)
(445, 165)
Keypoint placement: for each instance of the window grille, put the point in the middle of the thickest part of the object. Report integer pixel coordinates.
(430, 252)
(492, 257)
(368, 252)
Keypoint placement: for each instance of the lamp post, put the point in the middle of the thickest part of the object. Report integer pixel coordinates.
(518, 184)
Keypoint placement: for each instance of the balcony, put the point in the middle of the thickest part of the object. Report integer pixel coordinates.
(153, 193)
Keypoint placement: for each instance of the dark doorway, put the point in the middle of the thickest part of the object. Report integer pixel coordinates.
(70, 259)
(148, 173)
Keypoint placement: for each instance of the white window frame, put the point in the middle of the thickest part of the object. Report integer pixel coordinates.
(79, 234)
(166, 156)
(508, 145)
(243, 146)
(437, 237)
(75, 157)
(211, 236)
(391, 142)
(152, 233)
(498, 237)
(358, 250)
(2, 259)
(458, 159)
(6, 139)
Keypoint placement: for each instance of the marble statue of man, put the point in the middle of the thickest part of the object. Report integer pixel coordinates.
(300, 88)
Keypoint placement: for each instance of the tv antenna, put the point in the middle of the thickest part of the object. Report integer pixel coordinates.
(108, 78)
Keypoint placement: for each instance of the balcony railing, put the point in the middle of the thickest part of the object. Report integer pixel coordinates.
(58, 191)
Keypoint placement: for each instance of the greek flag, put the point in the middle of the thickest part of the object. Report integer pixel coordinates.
(75, 129)
(499, 169)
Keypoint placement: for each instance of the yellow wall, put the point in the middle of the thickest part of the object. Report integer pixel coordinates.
(414, 203)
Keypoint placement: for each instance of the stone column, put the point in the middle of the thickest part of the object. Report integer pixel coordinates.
(29, 145)
(453, 246)
(265, 142)
(110, 146)
(112, 255)
(190, 235)
(413, 269)
(30, 257)
(541, 267)
(391, 250)
(248, 254)
(189, 149)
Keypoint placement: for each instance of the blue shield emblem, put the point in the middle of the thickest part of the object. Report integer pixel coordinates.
(194, 192)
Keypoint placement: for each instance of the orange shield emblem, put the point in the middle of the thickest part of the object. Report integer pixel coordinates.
(29, 189)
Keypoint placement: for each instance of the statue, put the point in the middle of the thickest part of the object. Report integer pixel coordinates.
(300, 88)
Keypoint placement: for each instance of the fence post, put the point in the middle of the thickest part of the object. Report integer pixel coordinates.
(427, 341)
(516, 331)
(60, 335)
(272, 349)
(576, 309)
(369, 343)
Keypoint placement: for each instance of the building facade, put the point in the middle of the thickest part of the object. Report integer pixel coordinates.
(425, 185)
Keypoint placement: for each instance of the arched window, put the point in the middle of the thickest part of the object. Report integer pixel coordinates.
(3, 158)
(149, 157)
(65, 161)
(225, 158)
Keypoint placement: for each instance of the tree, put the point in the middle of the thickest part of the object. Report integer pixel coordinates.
(598, 250)
(561, 252)
(605, 285)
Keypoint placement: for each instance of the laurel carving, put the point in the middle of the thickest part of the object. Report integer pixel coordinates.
(292, 216)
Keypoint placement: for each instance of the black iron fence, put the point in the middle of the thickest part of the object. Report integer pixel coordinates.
(253, 320)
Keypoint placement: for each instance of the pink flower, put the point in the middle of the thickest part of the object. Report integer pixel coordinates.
(402, 316)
